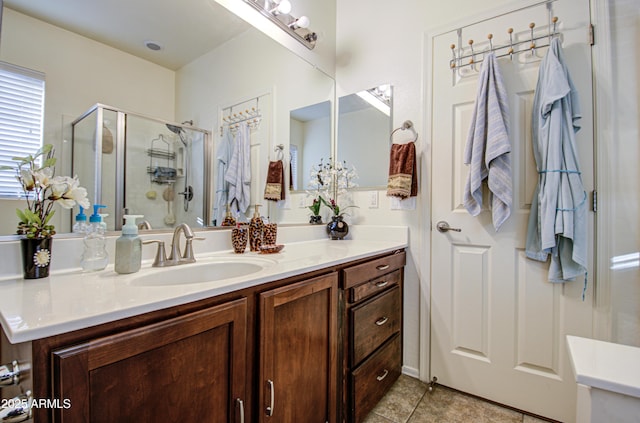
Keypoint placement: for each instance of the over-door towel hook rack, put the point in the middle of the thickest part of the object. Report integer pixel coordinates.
(461, 59)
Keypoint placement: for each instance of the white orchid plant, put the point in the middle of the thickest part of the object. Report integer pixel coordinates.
(328, 180)
(42, 189)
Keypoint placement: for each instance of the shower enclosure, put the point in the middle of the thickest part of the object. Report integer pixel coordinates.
(135, 164)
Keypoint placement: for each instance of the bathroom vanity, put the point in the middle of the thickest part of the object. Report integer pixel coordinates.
(314, 336)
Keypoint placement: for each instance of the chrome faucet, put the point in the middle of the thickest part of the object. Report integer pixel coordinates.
(175, 256)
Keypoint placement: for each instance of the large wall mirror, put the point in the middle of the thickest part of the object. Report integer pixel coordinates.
(364, 126)
(218, 67)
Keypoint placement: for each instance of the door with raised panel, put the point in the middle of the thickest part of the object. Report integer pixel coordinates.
(498, 326)
(189, 368)
(299, 352)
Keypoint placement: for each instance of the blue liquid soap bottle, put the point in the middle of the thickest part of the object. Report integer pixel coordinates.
(128, 247)
(80, 226)
(95, 255)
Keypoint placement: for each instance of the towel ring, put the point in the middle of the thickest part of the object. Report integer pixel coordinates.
(279, 150)
(406, 125)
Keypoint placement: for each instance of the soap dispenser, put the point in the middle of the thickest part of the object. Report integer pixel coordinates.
(228, 219)
(80, 227)
(95, 255)
(256, 226)
(128, 247)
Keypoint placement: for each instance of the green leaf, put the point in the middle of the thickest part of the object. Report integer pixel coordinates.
(32, 217)
(48, 218)
(50, 162)
(21, 216)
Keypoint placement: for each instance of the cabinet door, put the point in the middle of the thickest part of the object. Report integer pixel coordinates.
(189, 368)
(298, 352)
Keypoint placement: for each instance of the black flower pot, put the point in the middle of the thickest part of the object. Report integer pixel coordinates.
(337, 228)
(36, 257)
(315, 219)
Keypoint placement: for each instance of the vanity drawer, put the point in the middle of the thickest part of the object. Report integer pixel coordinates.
(372, 380)
(375, 321)
(355, 275)
(374, 286)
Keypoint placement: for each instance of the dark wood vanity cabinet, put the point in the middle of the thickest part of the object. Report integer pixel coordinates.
(189, 368)
(372, 337)
(299, 352)
(322, 347)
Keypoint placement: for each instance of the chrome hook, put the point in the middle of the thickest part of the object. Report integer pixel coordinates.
(532, 46)
(510, 31)
(490, 37)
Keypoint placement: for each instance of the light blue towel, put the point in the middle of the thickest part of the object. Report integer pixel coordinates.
(557, 221)
(488, 147)
(223, 157)
(239, 171)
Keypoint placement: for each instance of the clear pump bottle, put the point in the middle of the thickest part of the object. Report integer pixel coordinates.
(95, 255)
(80, 226)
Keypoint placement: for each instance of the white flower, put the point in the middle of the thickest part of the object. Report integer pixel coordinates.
(43, 177)
(66, 192)
(27, 180)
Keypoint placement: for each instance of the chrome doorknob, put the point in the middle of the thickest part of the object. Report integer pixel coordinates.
(443, 226)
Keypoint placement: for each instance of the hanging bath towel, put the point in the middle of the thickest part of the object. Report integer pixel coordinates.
(239, 172)
(223, 157)
(488, 147)
(557, 221)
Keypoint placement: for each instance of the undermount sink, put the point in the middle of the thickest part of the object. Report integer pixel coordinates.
(201, 272)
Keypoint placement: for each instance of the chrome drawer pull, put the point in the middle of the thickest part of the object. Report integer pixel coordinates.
(382, 284)
(241, 406)
(270, 407)
(381, 321)
(382, 267)
(383, 375)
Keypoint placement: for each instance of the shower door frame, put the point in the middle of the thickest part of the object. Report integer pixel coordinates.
(120, 146)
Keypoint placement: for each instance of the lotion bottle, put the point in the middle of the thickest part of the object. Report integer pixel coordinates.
(128, 247)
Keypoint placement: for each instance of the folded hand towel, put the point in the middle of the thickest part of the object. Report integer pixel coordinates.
(274, 190)
(403, 181)
(488, 147)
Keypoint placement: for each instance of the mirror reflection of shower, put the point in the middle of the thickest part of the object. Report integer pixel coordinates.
(188, 189)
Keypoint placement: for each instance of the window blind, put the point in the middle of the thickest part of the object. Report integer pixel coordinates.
(21, 120)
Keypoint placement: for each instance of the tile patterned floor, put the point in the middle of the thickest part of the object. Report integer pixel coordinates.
(408, 401)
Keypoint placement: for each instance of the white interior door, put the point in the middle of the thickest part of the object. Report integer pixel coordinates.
(498, 325)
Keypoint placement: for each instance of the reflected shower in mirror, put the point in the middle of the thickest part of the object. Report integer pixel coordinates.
(309, 138)
(164, 167)
(364, 126)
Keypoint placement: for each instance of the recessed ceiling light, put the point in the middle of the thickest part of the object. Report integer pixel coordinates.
(152, 45)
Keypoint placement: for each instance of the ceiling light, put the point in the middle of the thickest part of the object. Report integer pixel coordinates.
(152, 45)
(278, 12)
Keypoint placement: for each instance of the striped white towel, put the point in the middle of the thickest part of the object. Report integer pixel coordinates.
(488, 147)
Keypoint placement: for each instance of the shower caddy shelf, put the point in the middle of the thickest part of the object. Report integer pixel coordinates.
(161, 174)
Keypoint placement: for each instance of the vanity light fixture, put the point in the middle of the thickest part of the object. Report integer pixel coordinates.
(378, 97)
(278, 12)
(301, 22)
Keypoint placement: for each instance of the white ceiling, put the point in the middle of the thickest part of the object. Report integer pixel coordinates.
(186, 29)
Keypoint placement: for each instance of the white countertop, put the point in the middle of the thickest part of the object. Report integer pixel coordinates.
(72, 300)
(604, 365)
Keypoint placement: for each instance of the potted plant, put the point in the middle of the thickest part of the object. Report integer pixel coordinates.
(315, 218)
(42, 189)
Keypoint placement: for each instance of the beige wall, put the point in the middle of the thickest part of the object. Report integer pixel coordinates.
(79, 73)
